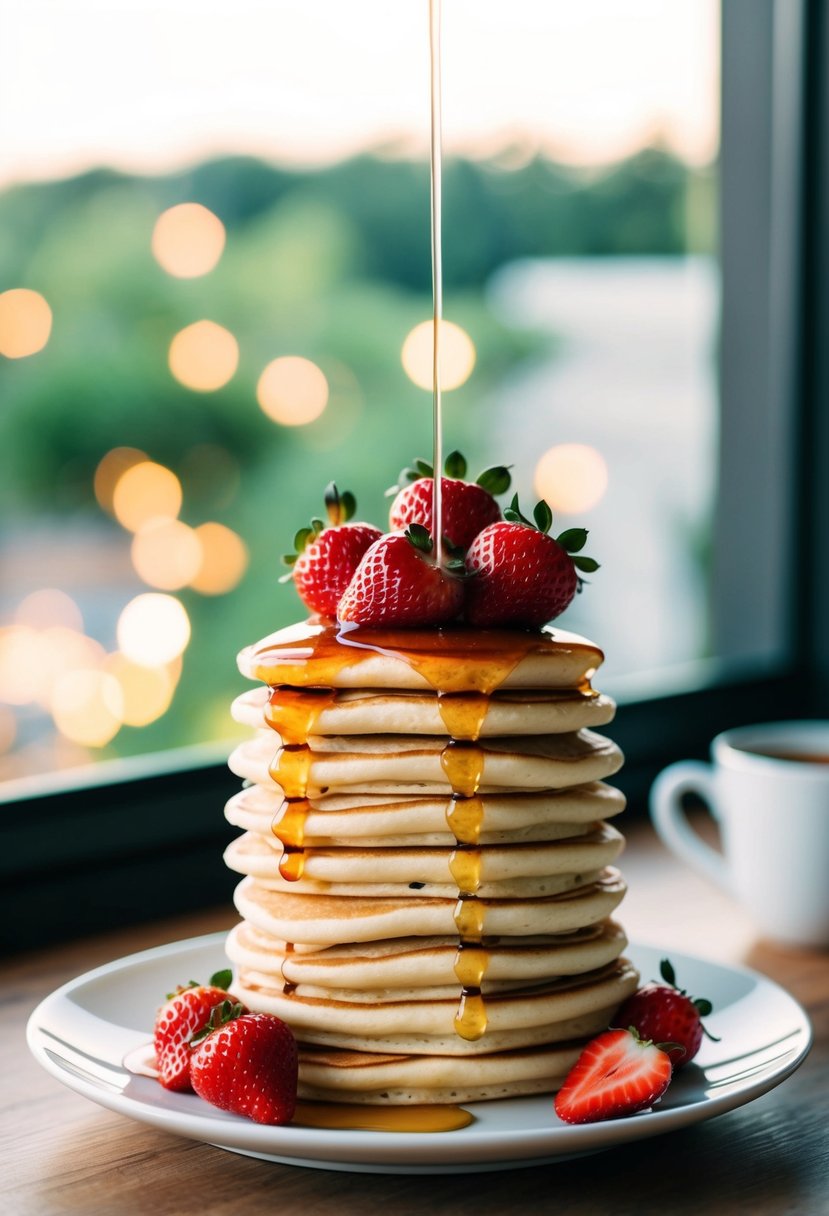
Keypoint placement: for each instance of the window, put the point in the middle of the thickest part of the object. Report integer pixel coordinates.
(633, 300)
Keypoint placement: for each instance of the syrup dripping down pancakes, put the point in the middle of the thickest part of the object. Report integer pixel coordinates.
(427, 865)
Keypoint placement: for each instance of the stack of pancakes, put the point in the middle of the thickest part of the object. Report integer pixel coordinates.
(427, 868)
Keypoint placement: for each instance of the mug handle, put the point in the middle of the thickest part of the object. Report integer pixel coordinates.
(669, 819)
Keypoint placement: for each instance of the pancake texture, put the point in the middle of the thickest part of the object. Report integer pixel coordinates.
(427, 870)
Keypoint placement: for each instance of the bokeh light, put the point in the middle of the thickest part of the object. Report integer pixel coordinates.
(153, 629)
(166, 554)
(63, 650)
(292, 390)
(87, 707)
(457, 355)
(111, 469)
(204, 356)
(49, 606)
(224, 559)
(188, 240)
(146, 691)
(572, 477)
(145, 492)
(22, 664)
(25, 322)
(33, 660)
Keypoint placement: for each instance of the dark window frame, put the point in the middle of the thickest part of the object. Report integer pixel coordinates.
(139, 839)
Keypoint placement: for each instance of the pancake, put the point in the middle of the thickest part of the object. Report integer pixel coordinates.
(401, 764)
(329, 1075)
(384, 867)
(326, 920)
(374, 819)
(376, 711)
(549, 1012)
(373, 966)
(316, 654)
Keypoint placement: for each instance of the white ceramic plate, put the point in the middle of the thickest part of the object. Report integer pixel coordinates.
(83, 1031)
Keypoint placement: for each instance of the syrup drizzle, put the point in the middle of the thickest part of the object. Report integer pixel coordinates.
(293, 713)
(435, 162)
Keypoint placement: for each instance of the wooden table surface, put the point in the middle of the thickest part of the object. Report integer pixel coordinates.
(62, 1154)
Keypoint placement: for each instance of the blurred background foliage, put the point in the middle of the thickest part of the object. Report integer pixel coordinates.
(332, 265)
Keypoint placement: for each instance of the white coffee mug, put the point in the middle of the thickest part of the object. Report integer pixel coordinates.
(768, 788)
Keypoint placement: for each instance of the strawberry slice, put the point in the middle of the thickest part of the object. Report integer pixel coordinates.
(617, 1074)
(398, 582)
(326, 557)
(246, 1063)
(185, 1013)
(467, 507)
(666, 1014)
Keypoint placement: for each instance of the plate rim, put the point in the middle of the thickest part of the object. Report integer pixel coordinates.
(383, 1151)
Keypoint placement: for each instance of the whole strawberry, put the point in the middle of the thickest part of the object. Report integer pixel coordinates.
(327, 557)
(466, 507)
(522, 576)
(185, 1013)
(398, 582)
(617, 1074)
(667, 1015)
(246, 1063)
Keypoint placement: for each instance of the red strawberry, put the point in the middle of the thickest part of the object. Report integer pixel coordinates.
(326, 558)
(186, 1011)
(523, 576)
(616, 1074)
(399, 583)
(247, 1063)
(466, 507)
(666, 1014)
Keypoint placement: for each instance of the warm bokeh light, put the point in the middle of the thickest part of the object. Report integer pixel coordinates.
(572, 477)
(146, 691)
(457, 355)
(8, 728)
(111, 469)
(22, 666)
(145, 492)
(62, 650)
(188, 240)
(204, 356)
(25, 322)
(88, 707)
(153, 629)
(33, 660)
(292, 390)
(166, 554)
(47, 607)
(224, 559)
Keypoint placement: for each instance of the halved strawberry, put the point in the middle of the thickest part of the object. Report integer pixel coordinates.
(666, 1014)
(398, 582)
(617, 1074)
(186, 1011)
(467, 507)
(523, 577)
(247, 1063)
(327, 557)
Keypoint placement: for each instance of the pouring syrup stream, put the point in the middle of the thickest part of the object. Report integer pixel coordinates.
(437, 272)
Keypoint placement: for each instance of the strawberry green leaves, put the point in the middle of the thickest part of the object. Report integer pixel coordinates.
(495, 480)
(572, 540)
(340, 507)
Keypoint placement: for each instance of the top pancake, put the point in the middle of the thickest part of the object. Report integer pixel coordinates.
(457, 659)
